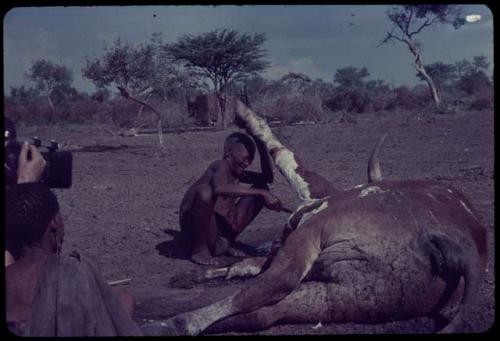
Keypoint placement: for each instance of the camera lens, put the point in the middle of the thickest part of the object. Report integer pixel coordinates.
(59, 169)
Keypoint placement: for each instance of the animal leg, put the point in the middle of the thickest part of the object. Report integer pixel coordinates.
(306, 304)
(289, 267)
(246, 268)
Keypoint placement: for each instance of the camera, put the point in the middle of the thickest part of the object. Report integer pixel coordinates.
(58, 170)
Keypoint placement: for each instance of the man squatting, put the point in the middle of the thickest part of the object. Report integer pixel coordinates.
(217, 208)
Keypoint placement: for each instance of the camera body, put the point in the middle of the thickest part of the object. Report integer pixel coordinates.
(58, 170)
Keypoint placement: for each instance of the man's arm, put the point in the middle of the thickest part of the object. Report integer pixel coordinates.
(221, 186)
(266, 174)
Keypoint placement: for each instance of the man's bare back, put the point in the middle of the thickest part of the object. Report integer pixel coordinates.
(20, 282)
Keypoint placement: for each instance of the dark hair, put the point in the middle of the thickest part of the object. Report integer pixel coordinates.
(29, 208)
(244, 139)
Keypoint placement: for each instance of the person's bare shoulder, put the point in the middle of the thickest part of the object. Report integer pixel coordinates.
(221, 174)
(219, 166)
(216, 169)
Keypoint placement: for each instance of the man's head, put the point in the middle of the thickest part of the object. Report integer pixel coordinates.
(240, 150)
(32, 214)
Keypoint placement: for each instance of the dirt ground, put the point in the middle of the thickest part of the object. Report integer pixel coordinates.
(123, 206)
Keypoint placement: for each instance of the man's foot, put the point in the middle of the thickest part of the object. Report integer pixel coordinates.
(235, 250)
(204, 258)
(221, 246)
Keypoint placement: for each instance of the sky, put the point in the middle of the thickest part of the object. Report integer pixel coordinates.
(315, 40)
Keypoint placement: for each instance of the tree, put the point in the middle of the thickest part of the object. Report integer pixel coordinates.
(349, 94)
(24, 95)
(350, 77)
(479, 63)
(443, 75)
(472, 76)
(221, 56)
(137, 72)
(297, 82)
(304, 97)
(378, 93)
(48, 77)
(409, 21)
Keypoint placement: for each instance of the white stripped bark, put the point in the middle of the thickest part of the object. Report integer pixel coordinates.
(284, 159)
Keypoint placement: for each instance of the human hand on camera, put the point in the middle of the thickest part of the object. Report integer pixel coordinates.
(30, 170)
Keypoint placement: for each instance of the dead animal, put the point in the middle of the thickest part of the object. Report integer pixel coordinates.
(379, 252)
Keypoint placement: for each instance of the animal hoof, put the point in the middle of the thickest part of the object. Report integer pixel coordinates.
(175, 326)
(152, 329)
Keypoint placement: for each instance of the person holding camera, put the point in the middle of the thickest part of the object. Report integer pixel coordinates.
(48, 294)
(25, 163)
(29, 169)
(30, 162)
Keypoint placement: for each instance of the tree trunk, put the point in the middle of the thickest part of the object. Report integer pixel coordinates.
(421, 70)
(221, 97)
(141, 108)
(49, 92)
(160, 133)
(50, 102)
(223, 111)
(124, 93)
(430, 83)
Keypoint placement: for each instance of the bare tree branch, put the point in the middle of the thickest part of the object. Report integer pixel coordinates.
(125, 94)
(425, 24)
(409, 20)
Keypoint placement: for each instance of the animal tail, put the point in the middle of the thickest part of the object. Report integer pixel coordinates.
(374, 172)
(450, 262)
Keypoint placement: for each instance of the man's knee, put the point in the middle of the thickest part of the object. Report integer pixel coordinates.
(205, 194)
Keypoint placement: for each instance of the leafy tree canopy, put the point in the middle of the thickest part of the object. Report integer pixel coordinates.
(221, 55)
(350, 77)
(46, 75)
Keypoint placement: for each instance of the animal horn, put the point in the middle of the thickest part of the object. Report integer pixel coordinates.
(374, 172)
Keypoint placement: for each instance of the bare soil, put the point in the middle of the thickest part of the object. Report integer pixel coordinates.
(123, 206)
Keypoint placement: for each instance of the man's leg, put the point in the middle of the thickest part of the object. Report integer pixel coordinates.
(199, 225)
(246, 210)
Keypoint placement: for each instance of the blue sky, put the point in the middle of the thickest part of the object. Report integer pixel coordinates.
(315, 40)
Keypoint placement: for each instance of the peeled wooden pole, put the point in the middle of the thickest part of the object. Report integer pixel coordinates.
(120, 282)
(284, 159)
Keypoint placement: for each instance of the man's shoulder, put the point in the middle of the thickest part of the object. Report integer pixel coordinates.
(217, 164)
(74, 261)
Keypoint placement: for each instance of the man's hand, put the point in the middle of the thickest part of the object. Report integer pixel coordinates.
(30, 170)
(9, 259)
(240, 123)
(272, 202)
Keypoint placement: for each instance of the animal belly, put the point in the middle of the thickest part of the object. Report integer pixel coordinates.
(365, 287)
